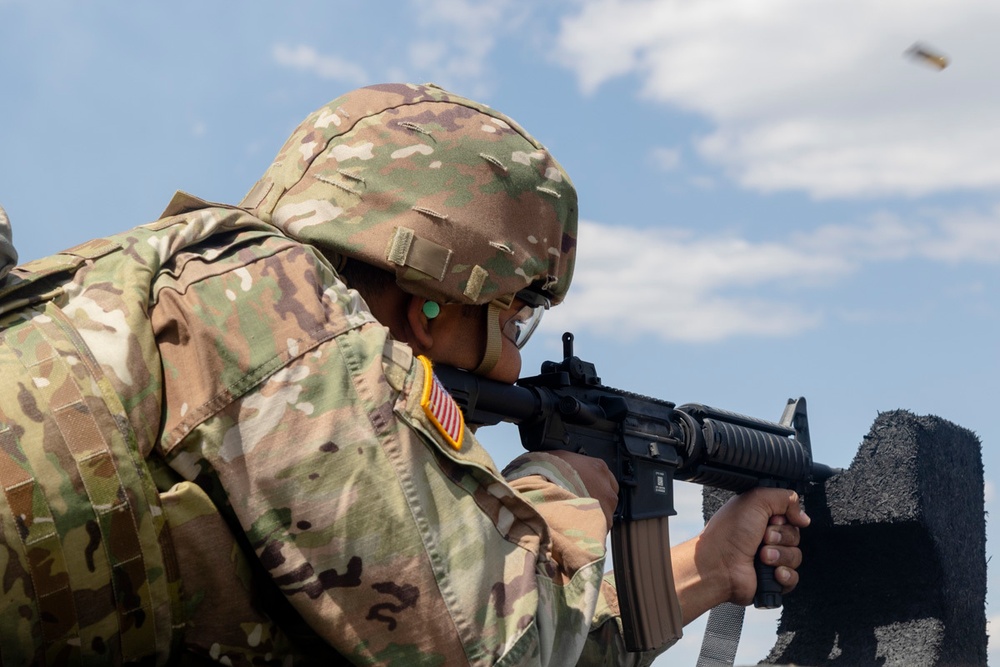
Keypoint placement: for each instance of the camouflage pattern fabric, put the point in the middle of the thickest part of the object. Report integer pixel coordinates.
(297, 417)
(89, 571)
(308, 428)
(452, 196)
(209, 449)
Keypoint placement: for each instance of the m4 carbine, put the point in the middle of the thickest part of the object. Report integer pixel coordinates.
(647, 443)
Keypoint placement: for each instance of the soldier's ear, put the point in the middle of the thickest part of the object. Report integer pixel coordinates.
(419, 324)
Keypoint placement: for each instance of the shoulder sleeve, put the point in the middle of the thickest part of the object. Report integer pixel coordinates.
(577, 528)
(394, 545)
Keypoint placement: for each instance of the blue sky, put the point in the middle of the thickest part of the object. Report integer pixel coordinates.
(775, 200)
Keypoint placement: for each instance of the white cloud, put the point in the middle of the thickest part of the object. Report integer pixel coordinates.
(945, 236)
(324, 66)
(449, 42)
(679, 286)
(698, 285)
(466, 17)
(967, 236)
(813, 96)
(457, 38)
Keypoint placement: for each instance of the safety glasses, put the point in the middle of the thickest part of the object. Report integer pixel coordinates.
(519, 326)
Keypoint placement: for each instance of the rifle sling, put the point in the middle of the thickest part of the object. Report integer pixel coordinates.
(722, 636)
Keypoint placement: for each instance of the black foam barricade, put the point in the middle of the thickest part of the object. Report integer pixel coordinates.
(894, 563)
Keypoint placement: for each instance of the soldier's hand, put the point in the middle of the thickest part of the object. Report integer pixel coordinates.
(764, 521)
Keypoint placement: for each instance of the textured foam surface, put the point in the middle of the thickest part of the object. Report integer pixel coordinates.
(894, 569)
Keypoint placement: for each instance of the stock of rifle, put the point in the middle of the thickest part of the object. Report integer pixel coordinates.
(647, 443)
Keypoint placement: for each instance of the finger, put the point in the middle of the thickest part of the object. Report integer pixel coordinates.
(794, 512)
(775, 556)
(782, 534)
(784, 502)
(787, 577)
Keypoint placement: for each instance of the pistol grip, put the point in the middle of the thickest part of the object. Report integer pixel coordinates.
(768, 595)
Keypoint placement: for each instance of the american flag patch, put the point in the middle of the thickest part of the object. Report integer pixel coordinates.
(441, 408)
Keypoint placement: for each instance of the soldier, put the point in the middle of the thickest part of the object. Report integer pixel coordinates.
(221, 437)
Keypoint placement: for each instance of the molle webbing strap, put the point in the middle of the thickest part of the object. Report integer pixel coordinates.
(474, 286)
(409, 250)
(88, 558)
(650, 611)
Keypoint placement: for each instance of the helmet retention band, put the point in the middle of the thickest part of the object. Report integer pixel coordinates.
(494, 339)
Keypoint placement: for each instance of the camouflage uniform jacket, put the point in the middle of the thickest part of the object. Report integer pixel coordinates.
(207, 440)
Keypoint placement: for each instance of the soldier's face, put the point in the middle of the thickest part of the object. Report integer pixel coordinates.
(460, 340)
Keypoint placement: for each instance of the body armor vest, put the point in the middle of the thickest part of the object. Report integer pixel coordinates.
(87, 563)
(89, 573)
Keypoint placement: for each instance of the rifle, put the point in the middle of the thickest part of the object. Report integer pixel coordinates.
(647, 443)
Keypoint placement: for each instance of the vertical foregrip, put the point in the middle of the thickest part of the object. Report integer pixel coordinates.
(651, 614)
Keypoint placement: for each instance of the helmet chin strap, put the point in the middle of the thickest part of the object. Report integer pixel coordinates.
(494, 339)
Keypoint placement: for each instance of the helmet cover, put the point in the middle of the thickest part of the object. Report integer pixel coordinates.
(454, 198)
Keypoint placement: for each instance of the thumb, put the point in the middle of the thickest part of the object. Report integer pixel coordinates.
(783, 505)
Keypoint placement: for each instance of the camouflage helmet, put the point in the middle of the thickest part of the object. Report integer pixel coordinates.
(454, 198)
